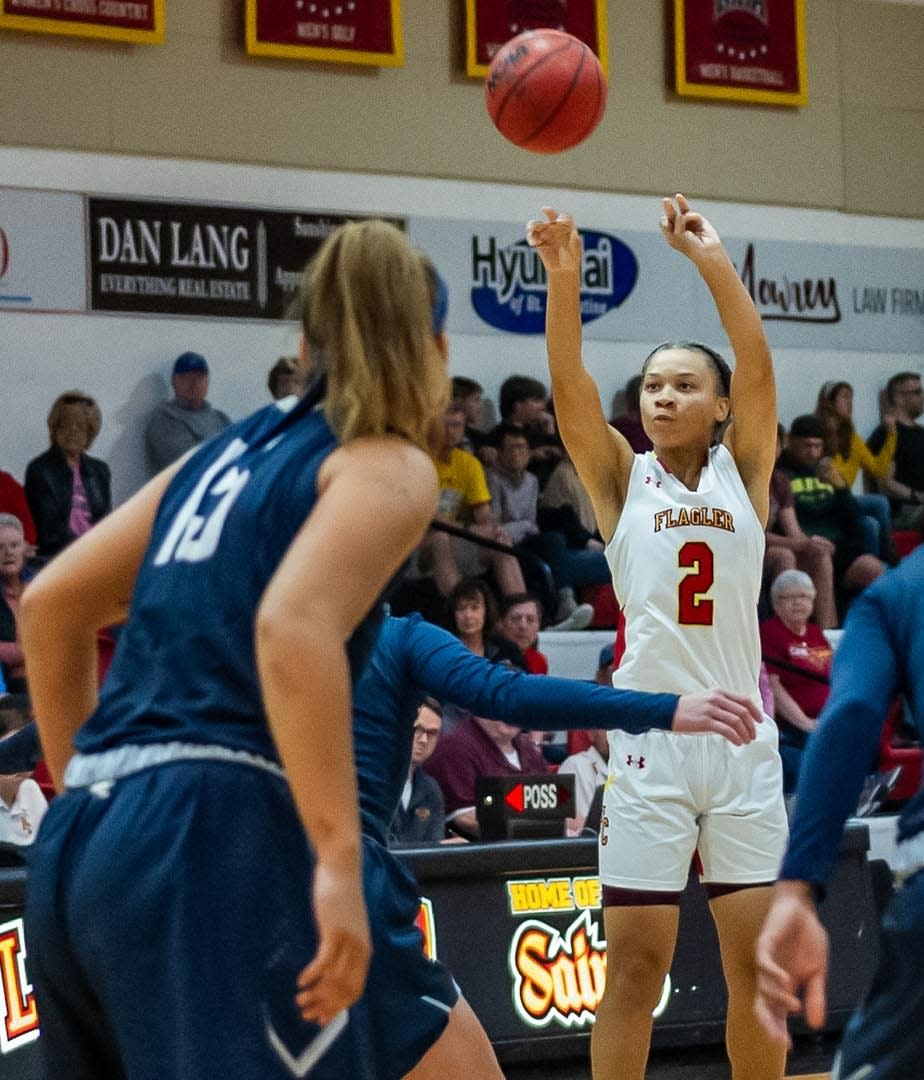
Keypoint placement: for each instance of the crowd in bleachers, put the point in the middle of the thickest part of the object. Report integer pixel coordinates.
(515, 549)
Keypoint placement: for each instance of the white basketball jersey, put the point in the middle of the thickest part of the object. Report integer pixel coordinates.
(687, 569)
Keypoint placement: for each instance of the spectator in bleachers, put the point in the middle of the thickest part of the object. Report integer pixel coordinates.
(904, 485)
(824, 505)
(790, 640)
(68, 491)
(849, 454)
(789, 548)
(524, 404)
(420, 817)
(515, 501)
(629, 422)
(473, 619)
(564, 489)
(188, 419)
(520, 622)
(469, 394)
(12, 583)
(13, 501)
(465, 500)
(286, 378)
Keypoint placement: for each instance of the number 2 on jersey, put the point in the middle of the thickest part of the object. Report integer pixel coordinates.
(694, 608)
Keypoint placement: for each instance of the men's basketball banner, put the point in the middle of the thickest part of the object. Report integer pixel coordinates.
(489, 24)
(138, 21)
(745, 50)
(345, 31)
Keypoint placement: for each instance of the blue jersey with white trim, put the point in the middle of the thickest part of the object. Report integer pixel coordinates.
(184, 668)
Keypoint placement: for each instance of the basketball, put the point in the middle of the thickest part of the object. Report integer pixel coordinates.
(545, 91)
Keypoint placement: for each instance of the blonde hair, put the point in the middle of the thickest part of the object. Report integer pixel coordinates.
(88, 408)
(366, 306)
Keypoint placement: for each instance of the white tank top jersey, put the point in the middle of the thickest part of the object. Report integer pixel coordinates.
(686, 568)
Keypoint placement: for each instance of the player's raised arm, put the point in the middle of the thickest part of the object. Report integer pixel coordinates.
(751, 437)
(325, 585)
(601, 454)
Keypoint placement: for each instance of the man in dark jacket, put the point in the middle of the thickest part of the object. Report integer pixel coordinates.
(420, 817)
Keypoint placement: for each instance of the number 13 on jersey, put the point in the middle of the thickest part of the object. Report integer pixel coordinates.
(694, 608)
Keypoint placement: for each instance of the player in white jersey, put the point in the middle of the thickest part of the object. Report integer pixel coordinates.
(684, 525)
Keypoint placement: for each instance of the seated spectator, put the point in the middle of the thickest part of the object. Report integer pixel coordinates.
(187, 420)
(472, 612)
(849, 454)
(629, 422)
(12, 583)
(469, 394)
(465, 500)
(564, 491)
(68, 491)
(789, 640)
(524, 405)
(589, 768)
(420, 818)
(477, 747)
(521, 619)
(13, 501)
(789, 548)
(286, 378)
(904, 483)
(824, 506)
(22, 807)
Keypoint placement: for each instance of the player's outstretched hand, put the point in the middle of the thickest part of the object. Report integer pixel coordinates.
(792, 961)
(687, 231)
(557, 241)
(337, 975)
(718, 711)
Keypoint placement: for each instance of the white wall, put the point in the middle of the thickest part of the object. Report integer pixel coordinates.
(125, 361)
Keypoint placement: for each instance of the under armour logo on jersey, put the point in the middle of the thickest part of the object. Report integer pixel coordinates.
(638, 763)
(653, 480)
(195, 532)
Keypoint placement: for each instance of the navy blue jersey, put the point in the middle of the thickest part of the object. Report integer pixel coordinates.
(881, 655)
(413, 658)
(184, 668)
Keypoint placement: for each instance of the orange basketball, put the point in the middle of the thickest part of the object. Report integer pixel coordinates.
(545, 91)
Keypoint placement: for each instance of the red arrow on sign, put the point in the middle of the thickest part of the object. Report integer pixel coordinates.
(514, 798)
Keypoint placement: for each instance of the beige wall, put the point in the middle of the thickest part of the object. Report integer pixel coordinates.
(857, 147)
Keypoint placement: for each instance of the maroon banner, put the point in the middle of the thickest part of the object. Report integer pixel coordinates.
(746, 50)
(122, 20)
(354, 31)
(491, 23)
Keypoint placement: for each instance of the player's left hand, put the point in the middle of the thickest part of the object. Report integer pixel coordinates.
(687, 231)
(731, 715)
(792, 961)
(336, 976)
(557, 241)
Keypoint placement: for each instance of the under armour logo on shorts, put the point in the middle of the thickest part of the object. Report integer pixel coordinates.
(639, 763)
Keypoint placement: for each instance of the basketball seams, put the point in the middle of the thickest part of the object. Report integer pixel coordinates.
(522, 76)
(553, 116)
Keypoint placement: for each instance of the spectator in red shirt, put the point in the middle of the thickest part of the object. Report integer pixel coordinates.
(789, 640)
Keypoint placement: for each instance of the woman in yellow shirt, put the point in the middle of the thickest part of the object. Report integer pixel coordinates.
(848, 454)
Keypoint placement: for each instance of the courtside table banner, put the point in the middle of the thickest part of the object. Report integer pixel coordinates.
(491, 23)
(138, 21)
(345, 31)
(743, 50)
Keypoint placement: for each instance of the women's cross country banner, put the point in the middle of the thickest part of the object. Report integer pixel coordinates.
(138, 21)
(745, 50)
(491, 23)
(345, 31)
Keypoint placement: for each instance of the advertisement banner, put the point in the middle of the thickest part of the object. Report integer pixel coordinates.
(352, 32)
(491, 23)
(188, 259)
(138, 21)
(744, 50)
(42, 261)
(634, 288)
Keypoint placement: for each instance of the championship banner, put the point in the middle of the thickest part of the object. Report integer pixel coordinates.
(138, 21)
(349, 31)
(489, 24)
(161, 258)
(743, 50)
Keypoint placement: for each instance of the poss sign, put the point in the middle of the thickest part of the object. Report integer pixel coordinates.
(516, 806)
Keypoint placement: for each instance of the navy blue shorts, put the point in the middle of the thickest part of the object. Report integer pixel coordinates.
(169, 918)
(885, 1037)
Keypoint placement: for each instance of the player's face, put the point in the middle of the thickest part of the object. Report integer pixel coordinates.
(521, 624)
(427, 730)
(680, 405)
(12, 551)
(470, 614)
